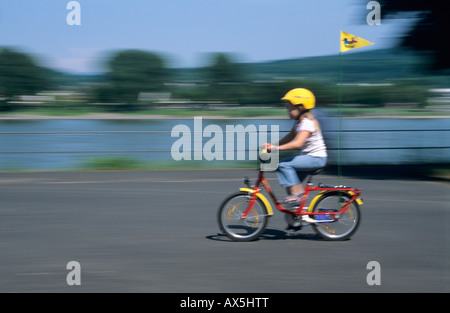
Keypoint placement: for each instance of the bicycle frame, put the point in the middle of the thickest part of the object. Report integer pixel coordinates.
(256, 189)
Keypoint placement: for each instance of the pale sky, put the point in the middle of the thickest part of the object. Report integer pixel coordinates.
(184, 31)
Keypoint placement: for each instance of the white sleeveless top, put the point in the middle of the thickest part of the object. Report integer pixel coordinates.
(314, 145)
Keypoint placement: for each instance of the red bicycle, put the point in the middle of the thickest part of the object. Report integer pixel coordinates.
(334, 213)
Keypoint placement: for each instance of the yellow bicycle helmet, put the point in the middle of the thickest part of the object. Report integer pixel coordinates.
(301, 96)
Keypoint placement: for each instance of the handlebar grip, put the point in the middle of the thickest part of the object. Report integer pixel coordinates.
(264, 155)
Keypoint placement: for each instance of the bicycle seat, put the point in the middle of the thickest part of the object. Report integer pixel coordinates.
(313, 172)
(309, 174)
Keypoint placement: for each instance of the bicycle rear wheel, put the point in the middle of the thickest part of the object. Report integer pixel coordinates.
(231, 223)
(334, 227)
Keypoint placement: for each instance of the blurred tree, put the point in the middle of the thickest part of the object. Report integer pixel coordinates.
(223, 70)
(224, 77)
(132, 72)
(262, 93)
(19, 75)
(429, 32)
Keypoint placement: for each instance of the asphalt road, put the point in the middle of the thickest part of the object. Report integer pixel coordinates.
(156, 231)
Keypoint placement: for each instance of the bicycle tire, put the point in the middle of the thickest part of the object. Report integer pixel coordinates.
(341, 228)
(230, 221)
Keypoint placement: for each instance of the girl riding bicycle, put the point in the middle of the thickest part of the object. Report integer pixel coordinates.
(333, 214)
(305, 134)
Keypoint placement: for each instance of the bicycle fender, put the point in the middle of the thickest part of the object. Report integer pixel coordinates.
(358, 200)
(262, 198)
(313, 202)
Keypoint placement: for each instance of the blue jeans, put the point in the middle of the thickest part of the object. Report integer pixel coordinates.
(289, 169)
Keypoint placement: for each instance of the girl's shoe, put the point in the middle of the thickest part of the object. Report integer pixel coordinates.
(294, 199)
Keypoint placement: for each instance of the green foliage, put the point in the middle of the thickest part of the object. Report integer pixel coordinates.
(263, 93)
(132, 72)
(112, 163)
(19, 75)
(409, 91)
(364, 95)
(129, 163)
(223, 70)
(372, 78)
(357, 67)
(377, 78)
(224, 77)
(270, 92)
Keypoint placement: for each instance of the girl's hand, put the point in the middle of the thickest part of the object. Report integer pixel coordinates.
(270, 147)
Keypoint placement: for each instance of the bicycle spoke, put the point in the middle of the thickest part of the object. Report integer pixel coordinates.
(345, 224)
(238, 228)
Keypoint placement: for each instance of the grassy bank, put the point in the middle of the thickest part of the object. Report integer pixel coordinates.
(155, 113)
(130, 163)
(231, 112)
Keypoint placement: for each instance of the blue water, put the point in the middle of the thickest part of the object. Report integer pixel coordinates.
(362, 141)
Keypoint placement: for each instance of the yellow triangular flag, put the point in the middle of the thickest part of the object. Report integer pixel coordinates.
(349, 42)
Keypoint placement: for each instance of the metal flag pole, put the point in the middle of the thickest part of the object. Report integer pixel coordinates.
(339, 119)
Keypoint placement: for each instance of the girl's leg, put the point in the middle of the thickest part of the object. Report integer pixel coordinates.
(287, 175)
(287, 171)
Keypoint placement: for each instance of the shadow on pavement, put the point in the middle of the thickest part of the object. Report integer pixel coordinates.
(271, 234)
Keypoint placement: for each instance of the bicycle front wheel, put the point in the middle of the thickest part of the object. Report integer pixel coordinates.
(231, 223)
(332, 227)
